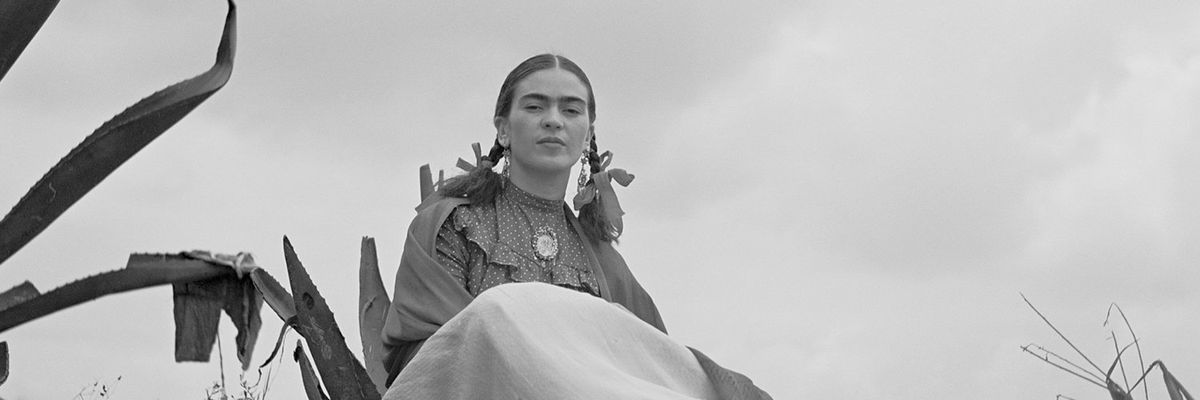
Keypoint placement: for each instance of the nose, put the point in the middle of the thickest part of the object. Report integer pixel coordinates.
(553, 120)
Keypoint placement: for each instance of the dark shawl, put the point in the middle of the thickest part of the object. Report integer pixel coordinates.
(426, 295)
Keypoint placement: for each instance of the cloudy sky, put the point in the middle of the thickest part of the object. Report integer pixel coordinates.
(840, 199)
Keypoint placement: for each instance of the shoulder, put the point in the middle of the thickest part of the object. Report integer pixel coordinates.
(431, 214)
(438, 205)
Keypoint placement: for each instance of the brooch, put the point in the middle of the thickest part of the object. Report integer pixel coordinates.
(545, 244)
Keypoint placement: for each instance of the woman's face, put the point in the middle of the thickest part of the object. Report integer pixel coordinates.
(548, 123)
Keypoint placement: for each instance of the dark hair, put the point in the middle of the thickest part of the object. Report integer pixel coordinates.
(535, 64)
(482, 185)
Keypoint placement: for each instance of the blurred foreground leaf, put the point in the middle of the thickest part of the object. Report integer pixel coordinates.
(110, 146)
(3, 362)
(20, 20)
(138, 274)
(373, 303)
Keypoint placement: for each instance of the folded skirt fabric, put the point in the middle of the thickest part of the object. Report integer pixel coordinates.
(538, 341)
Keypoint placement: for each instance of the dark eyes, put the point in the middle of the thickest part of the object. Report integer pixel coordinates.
(534, 107)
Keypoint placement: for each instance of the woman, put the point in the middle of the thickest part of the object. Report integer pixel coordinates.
(457, 329)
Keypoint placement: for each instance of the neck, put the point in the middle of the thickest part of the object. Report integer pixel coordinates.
(550, 186)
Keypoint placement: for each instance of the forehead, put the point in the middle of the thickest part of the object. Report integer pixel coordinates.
(553, 83)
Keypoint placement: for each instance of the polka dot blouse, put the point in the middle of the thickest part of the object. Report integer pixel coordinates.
(492, 244)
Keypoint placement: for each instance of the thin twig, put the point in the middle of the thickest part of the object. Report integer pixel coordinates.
(1138, 346)
(1047, 360)
(1065, 360)
(1139, 381)
(267, 384)
(1108, 375)
(1120, 362)
(271, 372)
(1063, 397)
(221, 358)
(1060, 334)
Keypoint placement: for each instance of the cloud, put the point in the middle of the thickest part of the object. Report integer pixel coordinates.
(895, 177)
(893, 135)
(839, 199)
(1117, 207)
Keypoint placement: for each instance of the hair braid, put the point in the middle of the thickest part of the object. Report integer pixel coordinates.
(593, 155)
(482, 184)
(591, 215)
(496, 153)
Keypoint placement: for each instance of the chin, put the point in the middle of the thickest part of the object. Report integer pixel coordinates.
(551, 164)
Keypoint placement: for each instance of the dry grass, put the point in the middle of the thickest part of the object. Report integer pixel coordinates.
(1101, 377)
(97, 390)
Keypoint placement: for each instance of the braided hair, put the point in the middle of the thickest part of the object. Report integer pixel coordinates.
(482, 185)
(591, 216)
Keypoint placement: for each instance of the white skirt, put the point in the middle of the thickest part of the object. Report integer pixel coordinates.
(538, 341)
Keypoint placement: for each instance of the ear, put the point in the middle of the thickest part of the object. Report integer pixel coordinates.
(501, 130)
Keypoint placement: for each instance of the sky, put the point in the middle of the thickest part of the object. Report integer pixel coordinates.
(839, 199)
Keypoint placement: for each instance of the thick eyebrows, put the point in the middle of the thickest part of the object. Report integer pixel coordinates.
(546, 99)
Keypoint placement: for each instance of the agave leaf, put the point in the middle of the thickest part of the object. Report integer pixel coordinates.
(274, 294)
(3, 362)
(110, 146)
(18, 294)
(20, 20)
(426, 181)
(135, 276)
(344, 377)
(373, 303)
(312, 387)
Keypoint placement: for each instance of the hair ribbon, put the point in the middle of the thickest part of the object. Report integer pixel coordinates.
(601, 186)
(480, 162)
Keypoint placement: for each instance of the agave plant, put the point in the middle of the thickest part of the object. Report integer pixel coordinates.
(202, 281)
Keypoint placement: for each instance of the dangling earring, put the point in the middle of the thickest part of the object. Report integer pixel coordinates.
(583, 172)
(507, 155)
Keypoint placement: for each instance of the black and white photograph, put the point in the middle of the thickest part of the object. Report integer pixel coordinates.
(232, 199)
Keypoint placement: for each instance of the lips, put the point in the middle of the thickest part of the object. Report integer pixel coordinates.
(552, 140)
